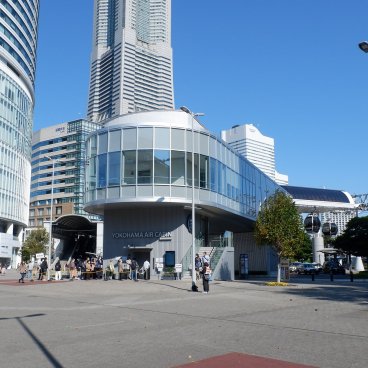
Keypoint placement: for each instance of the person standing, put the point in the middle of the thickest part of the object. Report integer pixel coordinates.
(146, 269)
(206, 272)
(129, 263)
(29, 269)
(120, 269)
(22, 268)
(58, 270)
(133, 267)
(197, 266)
(205, 258)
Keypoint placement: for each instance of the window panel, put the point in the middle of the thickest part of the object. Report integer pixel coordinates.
(102, 143)
(102, 171)
(129, 167)
(162, 167)
(178, 139)
(114, 168)
(114, 140)
(162, 138)
(145, 138)
(177, 167)
(129, 139)
(145, 166)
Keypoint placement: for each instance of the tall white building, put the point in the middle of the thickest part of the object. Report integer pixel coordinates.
(255, 147)
(340, 218)
(18, 44)
(131, 64)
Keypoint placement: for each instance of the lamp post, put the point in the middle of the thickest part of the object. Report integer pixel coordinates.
(363, 46)
(51, 204)
(193, 115)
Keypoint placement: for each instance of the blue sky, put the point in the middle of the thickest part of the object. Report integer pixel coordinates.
(290, 67)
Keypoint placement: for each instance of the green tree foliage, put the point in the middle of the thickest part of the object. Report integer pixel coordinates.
(304, 252)
(36, 242)
(354, 239)
(279, 225)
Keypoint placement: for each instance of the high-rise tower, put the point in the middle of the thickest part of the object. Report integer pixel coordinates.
(255, 147)
(131, 64)
(18, 43)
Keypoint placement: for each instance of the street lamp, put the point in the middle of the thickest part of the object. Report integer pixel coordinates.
(193, 116)
(52, 201)
(363, 46)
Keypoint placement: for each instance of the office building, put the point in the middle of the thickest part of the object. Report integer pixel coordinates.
(58, 169)
(131, 63)
(255, 147)
(18, 44)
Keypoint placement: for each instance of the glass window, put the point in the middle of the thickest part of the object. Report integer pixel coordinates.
(128, 167)
(129, 139)
(102, 171)
(102, 143)
(213, 176)
(196, 169)
(203, 172)
(178, 139)
(91, 177)
(145, 138)
(162, 167)
(114, 168)
(93, 145)
(203, 144)
(114, 141)
(177, 167)
(189, 139)
(162, 138)
(145, 166)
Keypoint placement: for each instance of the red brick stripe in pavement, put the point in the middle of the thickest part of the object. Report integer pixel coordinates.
(26, 282)
(238, 360)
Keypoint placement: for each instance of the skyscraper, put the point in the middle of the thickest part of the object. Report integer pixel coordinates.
(18, 43)
(255, 147)
(131, 64)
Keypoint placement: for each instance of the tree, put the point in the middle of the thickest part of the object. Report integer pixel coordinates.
(279, 225)
(304, 251)
(36, 242)
(354, 240)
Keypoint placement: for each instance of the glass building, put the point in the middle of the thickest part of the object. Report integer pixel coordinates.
(139, 176)
(131, 67)
(18, 43)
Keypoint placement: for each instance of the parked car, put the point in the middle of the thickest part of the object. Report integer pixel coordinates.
(334, 266)
(293, 267)
(307, 269)
(318, 267)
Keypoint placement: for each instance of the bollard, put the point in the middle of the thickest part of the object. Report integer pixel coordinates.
(331, 275)
(312, 275)
(351, 276)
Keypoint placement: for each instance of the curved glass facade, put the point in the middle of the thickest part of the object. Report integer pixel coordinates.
(150, 162)
(18, 36)
(18, 43)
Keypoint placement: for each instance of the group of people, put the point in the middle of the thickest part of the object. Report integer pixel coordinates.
(84, 269)
(203, 270)
(128, 268)
(33, 270)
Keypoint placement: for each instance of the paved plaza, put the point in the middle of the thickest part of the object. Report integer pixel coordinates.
(163, 324)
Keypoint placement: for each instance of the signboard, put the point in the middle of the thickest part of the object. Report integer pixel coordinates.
(178, 267)
(285, 274)
(40, 255)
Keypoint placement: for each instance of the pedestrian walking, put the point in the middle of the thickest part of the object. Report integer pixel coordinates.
(22, 268)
